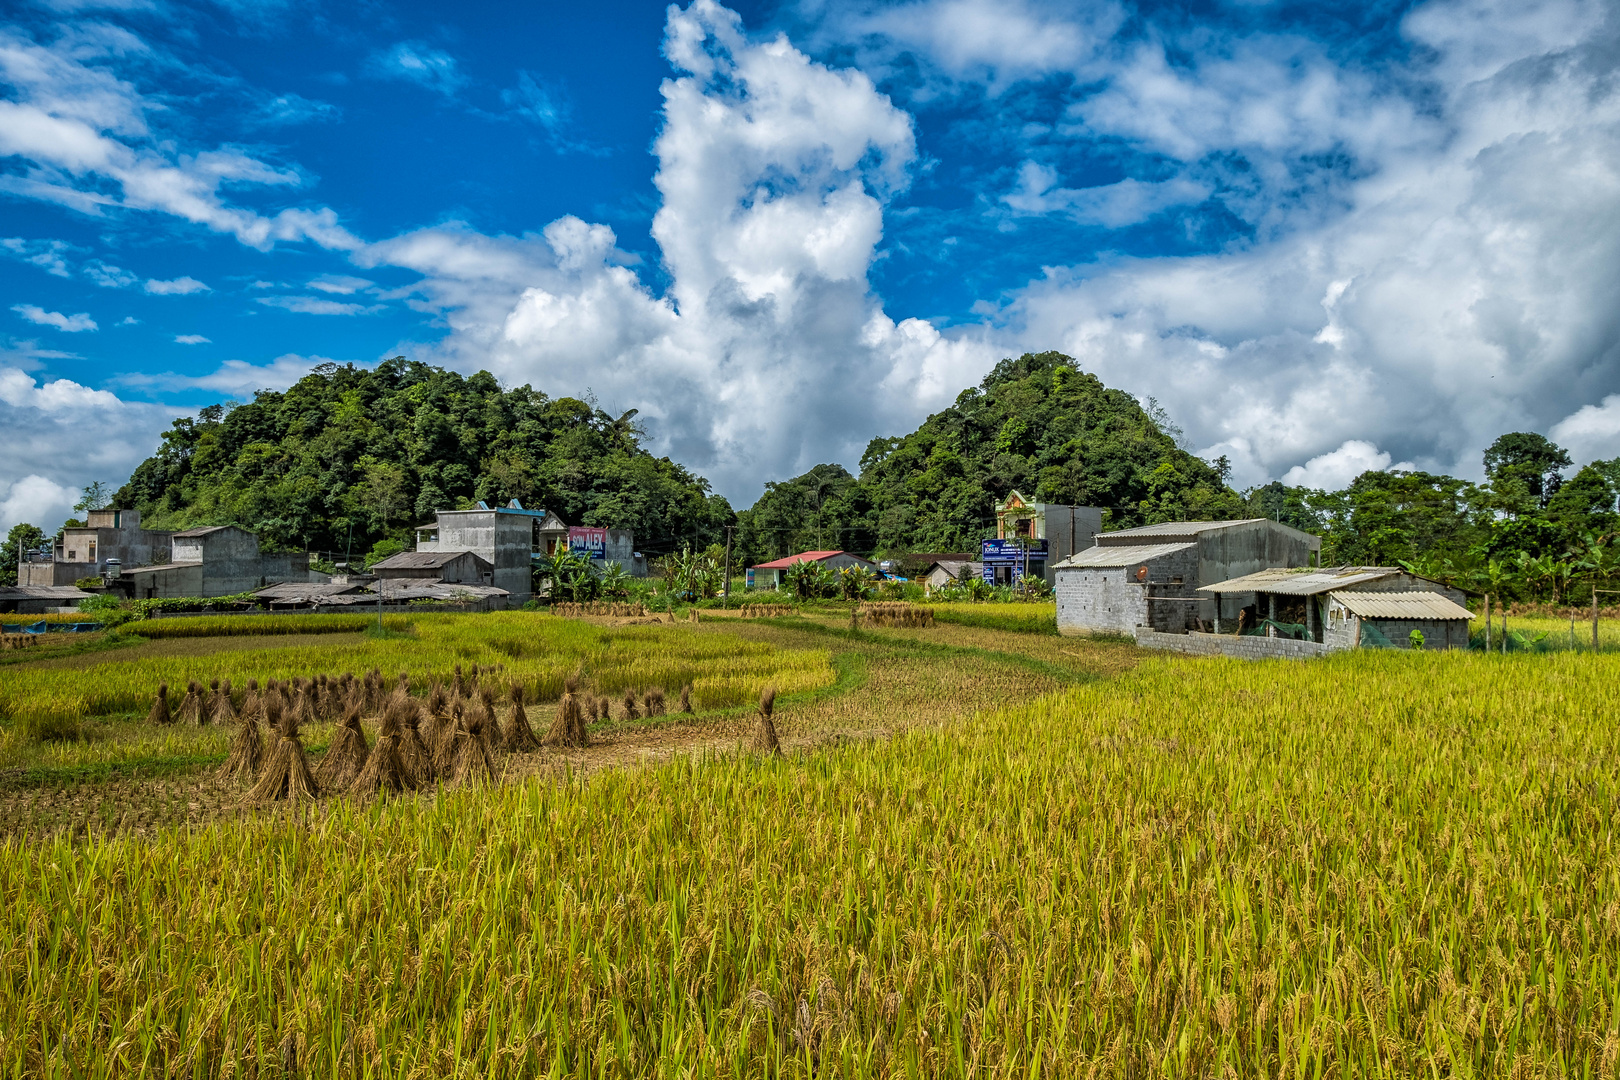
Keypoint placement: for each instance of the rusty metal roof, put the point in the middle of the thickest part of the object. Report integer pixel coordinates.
(1402, 605)
(1176, 528)
(1302, 580)
(1102, 558)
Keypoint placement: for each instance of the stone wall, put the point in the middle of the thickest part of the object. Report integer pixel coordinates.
(1244, 648)
(1098, 600)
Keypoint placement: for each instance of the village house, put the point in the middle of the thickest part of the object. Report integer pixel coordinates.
(221, 560)
(769, 575)
(107, 538)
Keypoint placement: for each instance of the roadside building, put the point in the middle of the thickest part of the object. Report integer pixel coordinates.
(107, 536)
(769, 575)
(393, 592)
(222, 560)
(1150, 577)
(1345, 607)
(1033, 538)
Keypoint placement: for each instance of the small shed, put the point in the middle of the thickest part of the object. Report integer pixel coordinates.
(769, 575)
(1333, 605)
(1362, 619)
(451, 567)
(38, 599)
(950, 571)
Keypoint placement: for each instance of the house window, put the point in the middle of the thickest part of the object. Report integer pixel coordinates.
(73, 556)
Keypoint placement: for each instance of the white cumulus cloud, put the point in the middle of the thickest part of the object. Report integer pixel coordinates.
(42, 419)
(314, 305)
(1590, 432)
(181, 286)
(191, 339)
(69, 324)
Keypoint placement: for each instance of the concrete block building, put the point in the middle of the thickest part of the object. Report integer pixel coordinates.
(449, 567)
(107, 536)
(221, 560)
(509, 538)
(1150, 577)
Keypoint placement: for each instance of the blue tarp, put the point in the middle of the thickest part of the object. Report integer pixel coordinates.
(42, 627)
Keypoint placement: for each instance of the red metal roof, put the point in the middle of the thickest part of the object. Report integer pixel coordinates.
(803, 556)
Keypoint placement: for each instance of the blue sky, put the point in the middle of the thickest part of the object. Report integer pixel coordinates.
(1327, 237)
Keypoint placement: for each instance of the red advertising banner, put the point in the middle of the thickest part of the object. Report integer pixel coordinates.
(586, 541)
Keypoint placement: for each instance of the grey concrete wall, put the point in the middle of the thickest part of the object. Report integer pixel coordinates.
(1098, 601)
(180, 579)
(1243, 648)
(1437, 633)
(621, 549)
(1224, 554)
(1068, 529)
(505, 541)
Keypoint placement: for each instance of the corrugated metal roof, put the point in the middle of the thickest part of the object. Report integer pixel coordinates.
(1174, 528)
(1402, 605)
(805, 556)
(1302, 580)
(421, 560)
(42, 592)
(1106, 557)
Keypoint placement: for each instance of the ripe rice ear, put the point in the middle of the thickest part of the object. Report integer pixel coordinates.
(287, 776)
(520, 736)
(247, 750)
(346, 757)
(571, 684)
(160, 707)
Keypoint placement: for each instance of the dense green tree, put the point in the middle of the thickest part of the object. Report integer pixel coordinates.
(347, 457)
(1525, 466)
(22, 537)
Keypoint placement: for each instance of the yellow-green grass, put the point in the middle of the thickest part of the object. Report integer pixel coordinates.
(1371, 865)
(536, 651)
(1553, 632)
(1040, 618)
(55, 617)
(346, 622)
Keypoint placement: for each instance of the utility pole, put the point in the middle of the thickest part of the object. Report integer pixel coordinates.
(725, 571)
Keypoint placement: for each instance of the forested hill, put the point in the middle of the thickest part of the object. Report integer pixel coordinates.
(1038, 424)
(378, 451)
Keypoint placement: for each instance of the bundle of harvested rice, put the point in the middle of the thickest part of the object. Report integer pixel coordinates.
(346, 756)
(654, 701)
(191, 706)
(251, 703)
(224, 709)
(384, 773)
(286, 776)
(568, 728)
(686, 698)
(630, 710)
(520, 736)
(303, 703)
(160, 707)
(247, 749)
(471, 763)
(444, 741)
(481, 714)
(765, 731)
(437, 700)
(414, 756)
(458, 685)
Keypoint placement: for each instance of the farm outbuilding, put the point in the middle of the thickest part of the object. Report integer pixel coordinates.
(454, 567)
(1150, 577)
(1345, 607)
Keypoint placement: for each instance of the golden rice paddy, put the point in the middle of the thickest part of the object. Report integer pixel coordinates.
(1386, 864)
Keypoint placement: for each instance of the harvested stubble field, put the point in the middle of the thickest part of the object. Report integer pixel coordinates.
(1059, 861)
